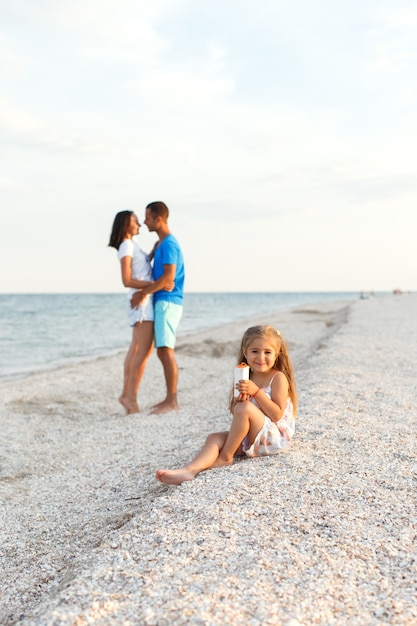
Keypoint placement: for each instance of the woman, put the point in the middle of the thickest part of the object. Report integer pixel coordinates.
(136, 274)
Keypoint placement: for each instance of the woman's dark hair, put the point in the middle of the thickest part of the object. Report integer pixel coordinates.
(120, 225)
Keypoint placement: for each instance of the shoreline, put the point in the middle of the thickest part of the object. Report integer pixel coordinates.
(198, 343)
(89, 534)
(182, 334)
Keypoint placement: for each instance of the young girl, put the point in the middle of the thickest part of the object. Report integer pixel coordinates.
(263, 414)
(136, 274)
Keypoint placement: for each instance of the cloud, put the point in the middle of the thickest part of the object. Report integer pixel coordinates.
(11, 62)
(184, 87)
(23, 129)
(393, 40)
(377, 187)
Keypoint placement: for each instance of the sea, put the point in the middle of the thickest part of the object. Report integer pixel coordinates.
(46, 331)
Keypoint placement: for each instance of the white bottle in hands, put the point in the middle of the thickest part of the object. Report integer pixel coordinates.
(241, 373)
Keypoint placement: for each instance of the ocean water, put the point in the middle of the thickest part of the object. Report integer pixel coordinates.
(45, 331)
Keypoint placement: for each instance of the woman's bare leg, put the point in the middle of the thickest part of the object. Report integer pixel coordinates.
(126, 371)
(143, 335)
(141, 349)
(205, 459)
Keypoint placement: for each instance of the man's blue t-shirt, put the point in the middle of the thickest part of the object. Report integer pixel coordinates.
(169, 252)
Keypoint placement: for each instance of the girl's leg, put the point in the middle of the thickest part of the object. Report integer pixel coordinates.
(142, 340)
(205, 459)
(247, 420)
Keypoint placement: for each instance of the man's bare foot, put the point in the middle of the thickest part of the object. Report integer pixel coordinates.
(173, 477)
(130, 407)
(164, 407)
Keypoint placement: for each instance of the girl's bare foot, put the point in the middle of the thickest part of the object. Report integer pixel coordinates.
(174, 477)
(221, 463)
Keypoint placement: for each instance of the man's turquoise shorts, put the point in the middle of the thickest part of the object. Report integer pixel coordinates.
(167, 317)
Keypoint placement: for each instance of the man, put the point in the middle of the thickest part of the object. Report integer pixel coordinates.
(168, 268)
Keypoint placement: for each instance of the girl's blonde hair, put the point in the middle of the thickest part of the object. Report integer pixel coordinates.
(282, 362)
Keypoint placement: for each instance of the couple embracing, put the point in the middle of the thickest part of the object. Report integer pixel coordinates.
(155, 300)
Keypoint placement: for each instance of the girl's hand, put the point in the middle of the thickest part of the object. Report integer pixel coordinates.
(246, 389)
(243, 397)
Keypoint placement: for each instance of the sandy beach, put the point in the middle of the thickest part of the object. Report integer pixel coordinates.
(324, 533)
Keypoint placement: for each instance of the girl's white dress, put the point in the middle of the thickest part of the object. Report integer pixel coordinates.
(273, 436)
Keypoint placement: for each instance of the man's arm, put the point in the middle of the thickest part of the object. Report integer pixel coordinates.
(164, 282)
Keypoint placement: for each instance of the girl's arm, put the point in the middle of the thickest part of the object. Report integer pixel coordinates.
(128, 281)
(274, 408)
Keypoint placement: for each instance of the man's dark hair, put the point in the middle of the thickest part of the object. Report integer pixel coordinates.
(159, 209)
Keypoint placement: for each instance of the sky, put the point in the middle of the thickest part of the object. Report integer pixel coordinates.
(281, 135)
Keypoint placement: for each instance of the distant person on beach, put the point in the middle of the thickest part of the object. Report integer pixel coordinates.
(168, 267)
(136, 274)
(263, 413)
